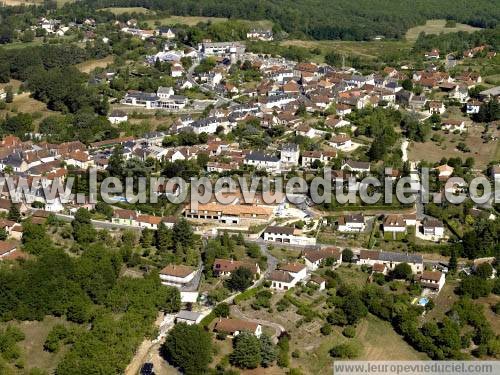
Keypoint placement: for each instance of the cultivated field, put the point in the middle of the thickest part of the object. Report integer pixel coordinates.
(437, 27)
(90, 65)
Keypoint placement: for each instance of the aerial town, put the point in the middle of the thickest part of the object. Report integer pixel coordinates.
(97, 281)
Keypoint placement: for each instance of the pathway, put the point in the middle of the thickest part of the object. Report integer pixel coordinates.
(404, 150)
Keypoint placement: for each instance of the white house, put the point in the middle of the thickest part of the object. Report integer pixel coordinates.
(308, 157)
(289, 155)
(391, 259)
(341, 142)
(176, 70)
(433, 228)
(234, 327)
(259, 160)
(281, 280)
(164, 92)
(117, 116)
(394, 223)
(314, 258)
(297, 270)
(436, 107)
(352, 223)
(454, 125)
(287, 235)
(208, 125)
(149, 221)
(319, 281)
(460, 93)
(287, 276)
(433, 280)
(177, 275)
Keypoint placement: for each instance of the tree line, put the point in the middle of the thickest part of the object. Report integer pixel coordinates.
(117, 312)
(360, 20)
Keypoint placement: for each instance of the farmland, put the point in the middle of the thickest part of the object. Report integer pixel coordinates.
(437, 27)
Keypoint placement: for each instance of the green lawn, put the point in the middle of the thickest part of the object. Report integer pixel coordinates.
(394, 236)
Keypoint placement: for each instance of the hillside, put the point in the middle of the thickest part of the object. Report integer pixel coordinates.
(340, 19)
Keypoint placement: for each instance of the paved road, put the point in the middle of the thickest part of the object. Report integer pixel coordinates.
(220, 99)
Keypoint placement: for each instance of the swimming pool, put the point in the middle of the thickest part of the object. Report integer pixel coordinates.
(423, 301)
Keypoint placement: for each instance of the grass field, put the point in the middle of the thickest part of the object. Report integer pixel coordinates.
(190, 21)
(24, 104)
(60, 3)
(121, 10)
(194, 20)
(371, 49)
(32, 346)
(36, 42)
(90, 65)
(21, 2)
(436, 27)
(376, 338)
(352, 275)
(483, 153)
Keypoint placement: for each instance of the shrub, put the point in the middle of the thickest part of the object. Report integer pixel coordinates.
(326, 329)
(347, 351)
(349, 331)
(222, 309)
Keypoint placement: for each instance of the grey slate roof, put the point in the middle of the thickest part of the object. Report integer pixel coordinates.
(400, 257)
(188, 315)
(279, 230)
(259, 156)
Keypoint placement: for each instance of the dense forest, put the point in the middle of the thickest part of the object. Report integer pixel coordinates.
(340, 19)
